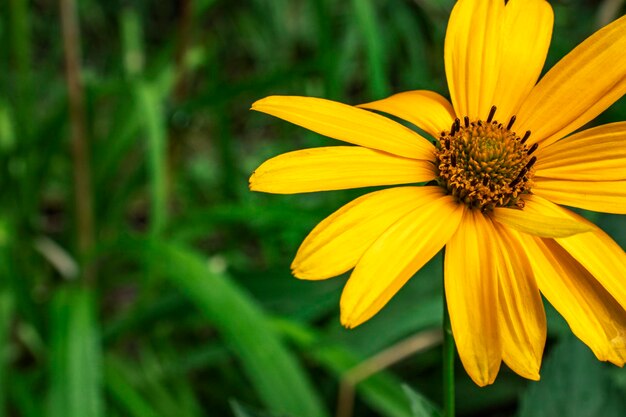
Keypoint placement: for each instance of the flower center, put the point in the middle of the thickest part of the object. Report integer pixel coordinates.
(485, 164)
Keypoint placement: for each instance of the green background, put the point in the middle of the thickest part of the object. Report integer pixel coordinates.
(186, 306)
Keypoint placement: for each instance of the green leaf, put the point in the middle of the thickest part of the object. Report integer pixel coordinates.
(420, 406)
(366, 17)
(382, 391)
(275, 373)
(573, 384)
(76, 361)
(124, 393)
(240, 410)
(6, 317)
(150, 106)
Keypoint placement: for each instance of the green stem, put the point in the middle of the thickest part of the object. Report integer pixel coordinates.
(448, 361)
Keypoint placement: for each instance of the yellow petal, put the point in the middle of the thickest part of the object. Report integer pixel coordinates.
(425, 109)
(471, 285)
(603, 196)
(578, 88)
(597, 154)
(348, 123)
(336, 168)
(591, 312)
(395, 256)
(336, 244)
(595, 251)
(525, 39)
(537, 223)
(520, 310)
(472, 50)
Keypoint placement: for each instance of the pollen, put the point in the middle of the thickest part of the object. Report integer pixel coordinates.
(485, 164)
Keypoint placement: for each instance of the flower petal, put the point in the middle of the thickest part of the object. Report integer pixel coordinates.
(525, 40)
(398, 254)
(336, 244)
(471, 285)
(472, 51)
(427, 110)
(336, 168)
(520, 309)
(595, 251)
(592, 314)
(347, 123)
(597, 154)
(537, 223)
(578, 88)
(602, 196)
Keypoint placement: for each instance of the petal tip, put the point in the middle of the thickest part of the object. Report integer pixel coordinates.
(256, 106)
(297, 272)
(345, 322)
(349, 319)
(485, 376)
(253, 183)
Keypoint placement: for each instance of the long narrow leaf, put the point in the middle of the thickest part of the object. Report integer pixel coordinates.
(76, 360)
(382, 391)
(274, 372)
(6, 315)
(121, 390)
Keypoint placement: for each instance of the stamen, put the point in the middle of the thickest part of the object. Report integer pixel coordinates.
(531, 162)
(519, 177)
(466, 121)
(492, 113)
(524, 171)
(453, 129)
(453, 160)
(532, 148)
(525, 138)
(510, 125)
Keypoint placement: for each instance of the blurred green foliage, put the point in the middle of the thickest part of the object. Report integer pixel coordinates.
(183, 304)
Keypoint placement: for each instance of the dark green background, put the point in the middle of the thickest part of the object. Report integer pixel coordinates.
(193, 311)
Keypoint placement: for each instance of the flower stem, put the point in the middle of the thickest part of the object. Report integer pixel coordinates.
(448, 362)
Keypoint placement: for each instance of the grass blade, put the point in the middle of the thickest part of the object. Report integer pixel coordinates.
(123, 392)
(150, 106)
(6, 316)
(365, 14)
(276, 375)
(76, 362)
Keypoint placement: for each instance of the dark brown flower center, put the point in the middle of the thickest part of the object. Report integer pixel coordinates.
(485, 164)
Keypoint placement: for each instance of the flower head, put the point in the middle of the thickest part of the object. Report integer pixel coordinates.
(501, 162)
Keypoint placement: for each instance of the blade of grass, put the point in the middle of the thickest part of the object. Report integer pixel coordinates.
(149, 102)
(148, 98)
(366, 19)
(382, 391)
(274, 372)
(76, 362)
(122, 391)
(6, 316)
(20, 36)
(164, 395)
(21, 394)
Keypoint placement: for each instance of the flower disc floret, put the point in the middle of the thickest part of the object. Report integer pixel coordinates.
(485, 164)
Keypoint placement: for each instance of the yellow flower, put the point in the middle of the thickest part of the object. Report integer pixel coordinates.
(501, 163)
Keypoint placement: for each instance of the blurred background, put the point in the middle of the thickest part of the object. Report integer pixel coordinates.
(138, 274)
